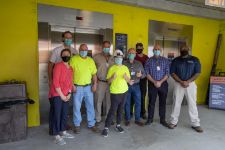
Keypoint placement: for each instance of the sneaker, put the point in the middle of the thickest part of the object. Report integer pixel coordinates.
(172, 126)
(67, 135)
(105, 132)
(60, 141)
(119, 129)
(76, 130)
(95, 129)
(198, 129)
(139, 123)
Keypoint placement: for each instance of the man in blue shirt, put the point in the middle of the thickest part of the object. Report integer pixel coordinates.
(185, 69)
(157, 70)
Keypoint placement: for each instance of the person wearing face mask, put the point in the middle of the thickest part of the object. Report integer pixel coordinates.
(103, 61)
(55, 55)
(85, 84)
(59, 96)
(136, 72)
(185, 69)
(157, 70)
(140, 56)
(118, 76)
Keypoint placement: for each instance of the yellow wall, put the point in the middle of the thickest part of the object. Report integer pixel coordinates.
(19, 54)
(221, 59)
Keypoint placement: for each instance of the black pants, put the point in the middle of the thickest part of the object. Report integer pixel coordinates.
(57, 115)
(143, 87)
(117, 106)
(152, 94)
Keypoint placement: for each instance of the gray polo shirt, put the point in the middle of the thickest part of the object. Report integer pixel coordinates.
(102, 65)
(134, 68)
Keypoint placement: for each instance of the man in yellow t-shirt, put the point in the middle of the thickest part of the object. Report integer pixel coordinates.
(84, 71)
(118, 76)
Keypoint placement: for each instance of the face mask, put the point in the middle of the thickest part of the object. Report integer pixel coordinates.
(118, 60)
(65, 58)
(139, 51)
(106, 50)
(183, 53)
(83, 53)
(156, 52)
(131, 56)
(68, 42)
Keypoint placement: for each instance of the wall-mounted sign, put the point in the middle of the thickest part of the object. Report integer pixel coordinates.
(121, 42)
(217, 92)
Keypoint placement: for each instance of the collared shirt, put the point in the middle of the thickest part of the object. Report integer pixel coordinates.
(134, 68)
(62, 78)
(185, 68)
(56, 54)
(83, 69)
(103, 65)
(143, 59)
(157, 68)
(119, 84)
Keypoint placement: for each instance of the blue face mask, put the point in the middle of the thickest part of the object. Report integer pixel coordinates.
(83, 53)
(106, 50)
(131, 56)
(156, 52)
(118, 60)
(68, 42)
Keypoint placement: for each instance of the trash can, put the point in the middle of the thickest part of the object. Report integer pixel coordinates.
(13, 112)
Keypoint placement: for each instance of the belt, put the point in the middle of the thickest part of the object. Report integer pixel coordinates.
(102, 80)
(82, 85)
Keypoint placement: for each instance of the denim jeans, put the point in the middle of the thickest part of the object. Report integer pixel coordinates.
(134, 92)
(57, 115)
(83, 92)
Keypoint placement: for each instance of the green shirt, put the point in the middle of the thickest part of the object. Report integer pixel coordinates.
(83, 70)
(119, 84)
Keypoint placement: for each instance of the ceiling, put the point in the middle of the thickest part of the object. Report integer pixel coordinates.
(188, 7)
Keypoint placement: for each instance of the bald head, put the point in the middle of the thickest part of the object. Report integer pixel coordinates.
(83, 47)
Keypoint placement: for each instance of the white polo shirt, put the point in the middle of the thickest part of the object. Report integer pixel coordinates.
(56, 53)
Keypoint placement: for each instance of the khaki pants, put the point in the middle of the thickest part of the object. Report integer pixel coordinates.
(191, 96)
(102, 95)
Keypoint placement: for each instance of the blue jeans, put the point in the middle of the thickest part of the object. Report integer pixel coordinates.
(134, 92)
(58, 115)
(86, 93)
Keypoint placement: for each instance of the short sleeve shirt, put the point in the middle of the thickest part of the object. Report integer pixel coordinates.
(83, 69)
(119, 84)
(102, 65)
(56, 54)
(134, 68)
(185, 68)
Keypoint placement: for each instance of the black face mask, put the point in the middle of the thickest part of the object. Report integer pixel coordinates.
(65, 58)
(183, 53)
(139, 51)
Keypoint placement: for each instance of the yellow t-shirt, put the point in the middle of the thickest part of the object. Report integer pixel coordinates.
(119, 84)
(83, 69)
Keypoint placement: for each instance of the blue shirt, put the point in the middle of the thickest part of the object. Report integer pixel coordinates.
(157, 68)
(185, 68)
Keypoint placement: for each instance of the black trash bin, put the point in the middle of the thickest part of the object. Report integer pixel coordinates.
(13, 112)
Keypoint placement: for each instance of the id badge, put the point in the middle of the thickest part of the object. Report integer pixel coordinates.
(158, 68)
(107, 65)
(132, 73)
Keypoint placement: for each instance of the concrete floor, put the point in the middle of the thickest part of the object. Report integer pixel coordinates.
(155, 136)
